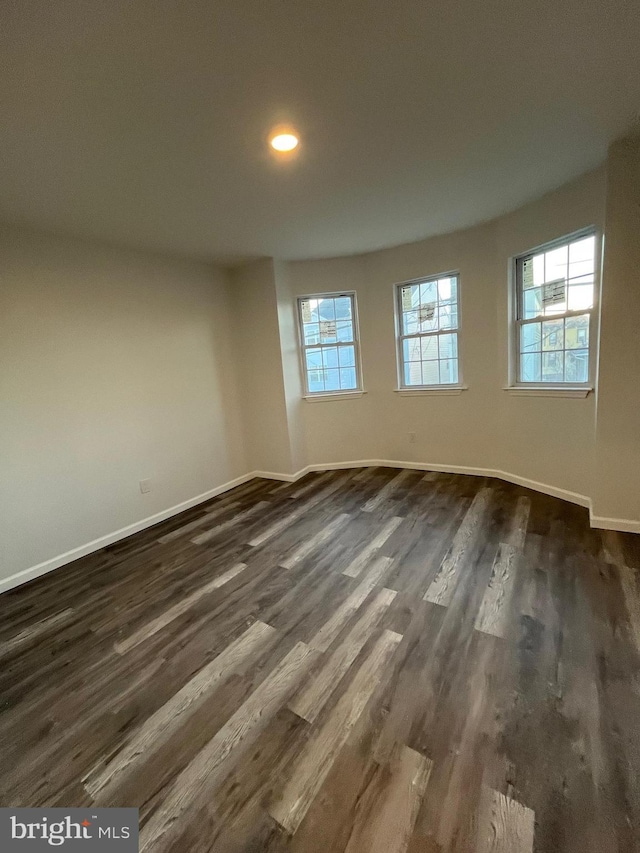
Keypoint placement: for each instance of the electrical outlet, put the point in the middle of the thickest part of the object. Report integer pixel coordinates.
(412, 438)
(145, 486)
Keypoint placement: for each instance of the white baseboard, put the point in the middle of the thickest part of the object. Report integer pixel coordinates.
(272, 475)
(553, 491)
(621, 524)
(545, 488)
(26, 575)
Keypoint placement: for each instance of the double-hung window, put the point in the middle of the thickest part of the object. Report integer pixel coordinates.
(554, 302)
(328, 325)
(427, 324)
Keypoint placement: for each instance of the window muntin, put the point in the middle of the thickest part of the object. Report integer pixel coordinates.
(555, 297)
(428, 323)
(329, 340)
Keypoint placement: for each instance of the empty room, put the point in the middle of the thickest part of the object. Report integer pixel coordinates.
(320, 426)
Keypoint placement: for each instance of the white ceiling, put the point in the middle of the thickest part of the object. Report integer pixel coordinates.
(143, 121)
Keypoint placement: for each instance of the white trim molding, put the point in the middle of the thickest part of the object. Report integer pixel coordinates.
(273, 475)
(621, 524)
(535, 485)
(333, 395)
(551, 391)
(26, 575)
(427, 391)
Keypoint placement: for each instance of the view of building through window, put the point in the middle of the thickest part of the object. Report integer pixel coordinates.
(428, 336)
(555, 297)
(329, 341)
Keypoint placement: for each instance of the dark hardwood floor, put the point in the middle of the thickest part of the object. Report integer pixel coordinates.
(370, 661)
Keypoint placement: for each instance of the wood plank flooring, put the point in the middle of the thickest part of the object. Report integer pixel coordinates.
(369, 661)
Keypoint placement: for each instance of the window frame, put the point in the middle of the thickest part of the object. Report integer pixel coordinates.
(355, 343)
(444, 387)
(515, 301)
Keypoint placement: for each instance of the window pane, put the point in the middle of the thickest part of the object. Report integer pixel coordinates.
(410, 323)
(448, 346)
(447, 289)
(430, 373)
(429, 347)
(449, 370)
(583, 250)
(581, 293)
(411, 349)
(311, 333)
(579, 268)
(553, 283)
(413, 373)
(314, 358)
(448, 316)
(330, 357)
(428, 308)
(348, 378)
(530, 367)
(344, 331)
(576, 332)
(555, 263)
(538, 270)
(328, 331)
(316, 380)
(532, 303)
(553, 335)
(410, 296)
(347, 356)
(343, 308)
(332, 380)
(428, 317)
(531, 337)
(429, 292)
(576, 365)
(305, 311)
(554, 297)
(326, 309)
(552, 367)
(532, 271)
(326, 321)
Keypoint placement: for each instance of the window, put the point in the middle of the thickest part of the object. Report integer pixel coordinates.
(555, 297)
(329, 341)
(428, 318)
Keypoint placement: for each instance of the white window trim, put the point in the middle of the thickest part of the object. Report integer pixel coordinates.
(548, 391)
(323, 396)
(565, 389)
(425, 390)
(331, 396)
(430, 390)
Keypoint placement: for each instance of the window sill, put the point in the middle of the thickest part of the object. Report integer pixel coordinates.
(552, 391)
(336, 395)
(445, 390)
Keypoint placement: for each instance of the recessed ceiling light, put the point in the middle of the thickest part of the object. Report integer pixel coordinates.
(284, 141)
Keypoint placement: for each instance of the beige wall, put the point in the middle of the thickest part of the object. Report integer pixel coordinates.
(561, 432)
(290, 359)
(544, 439)
(118, 366)
(617, 482)
(115, 366)
(259, 364)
